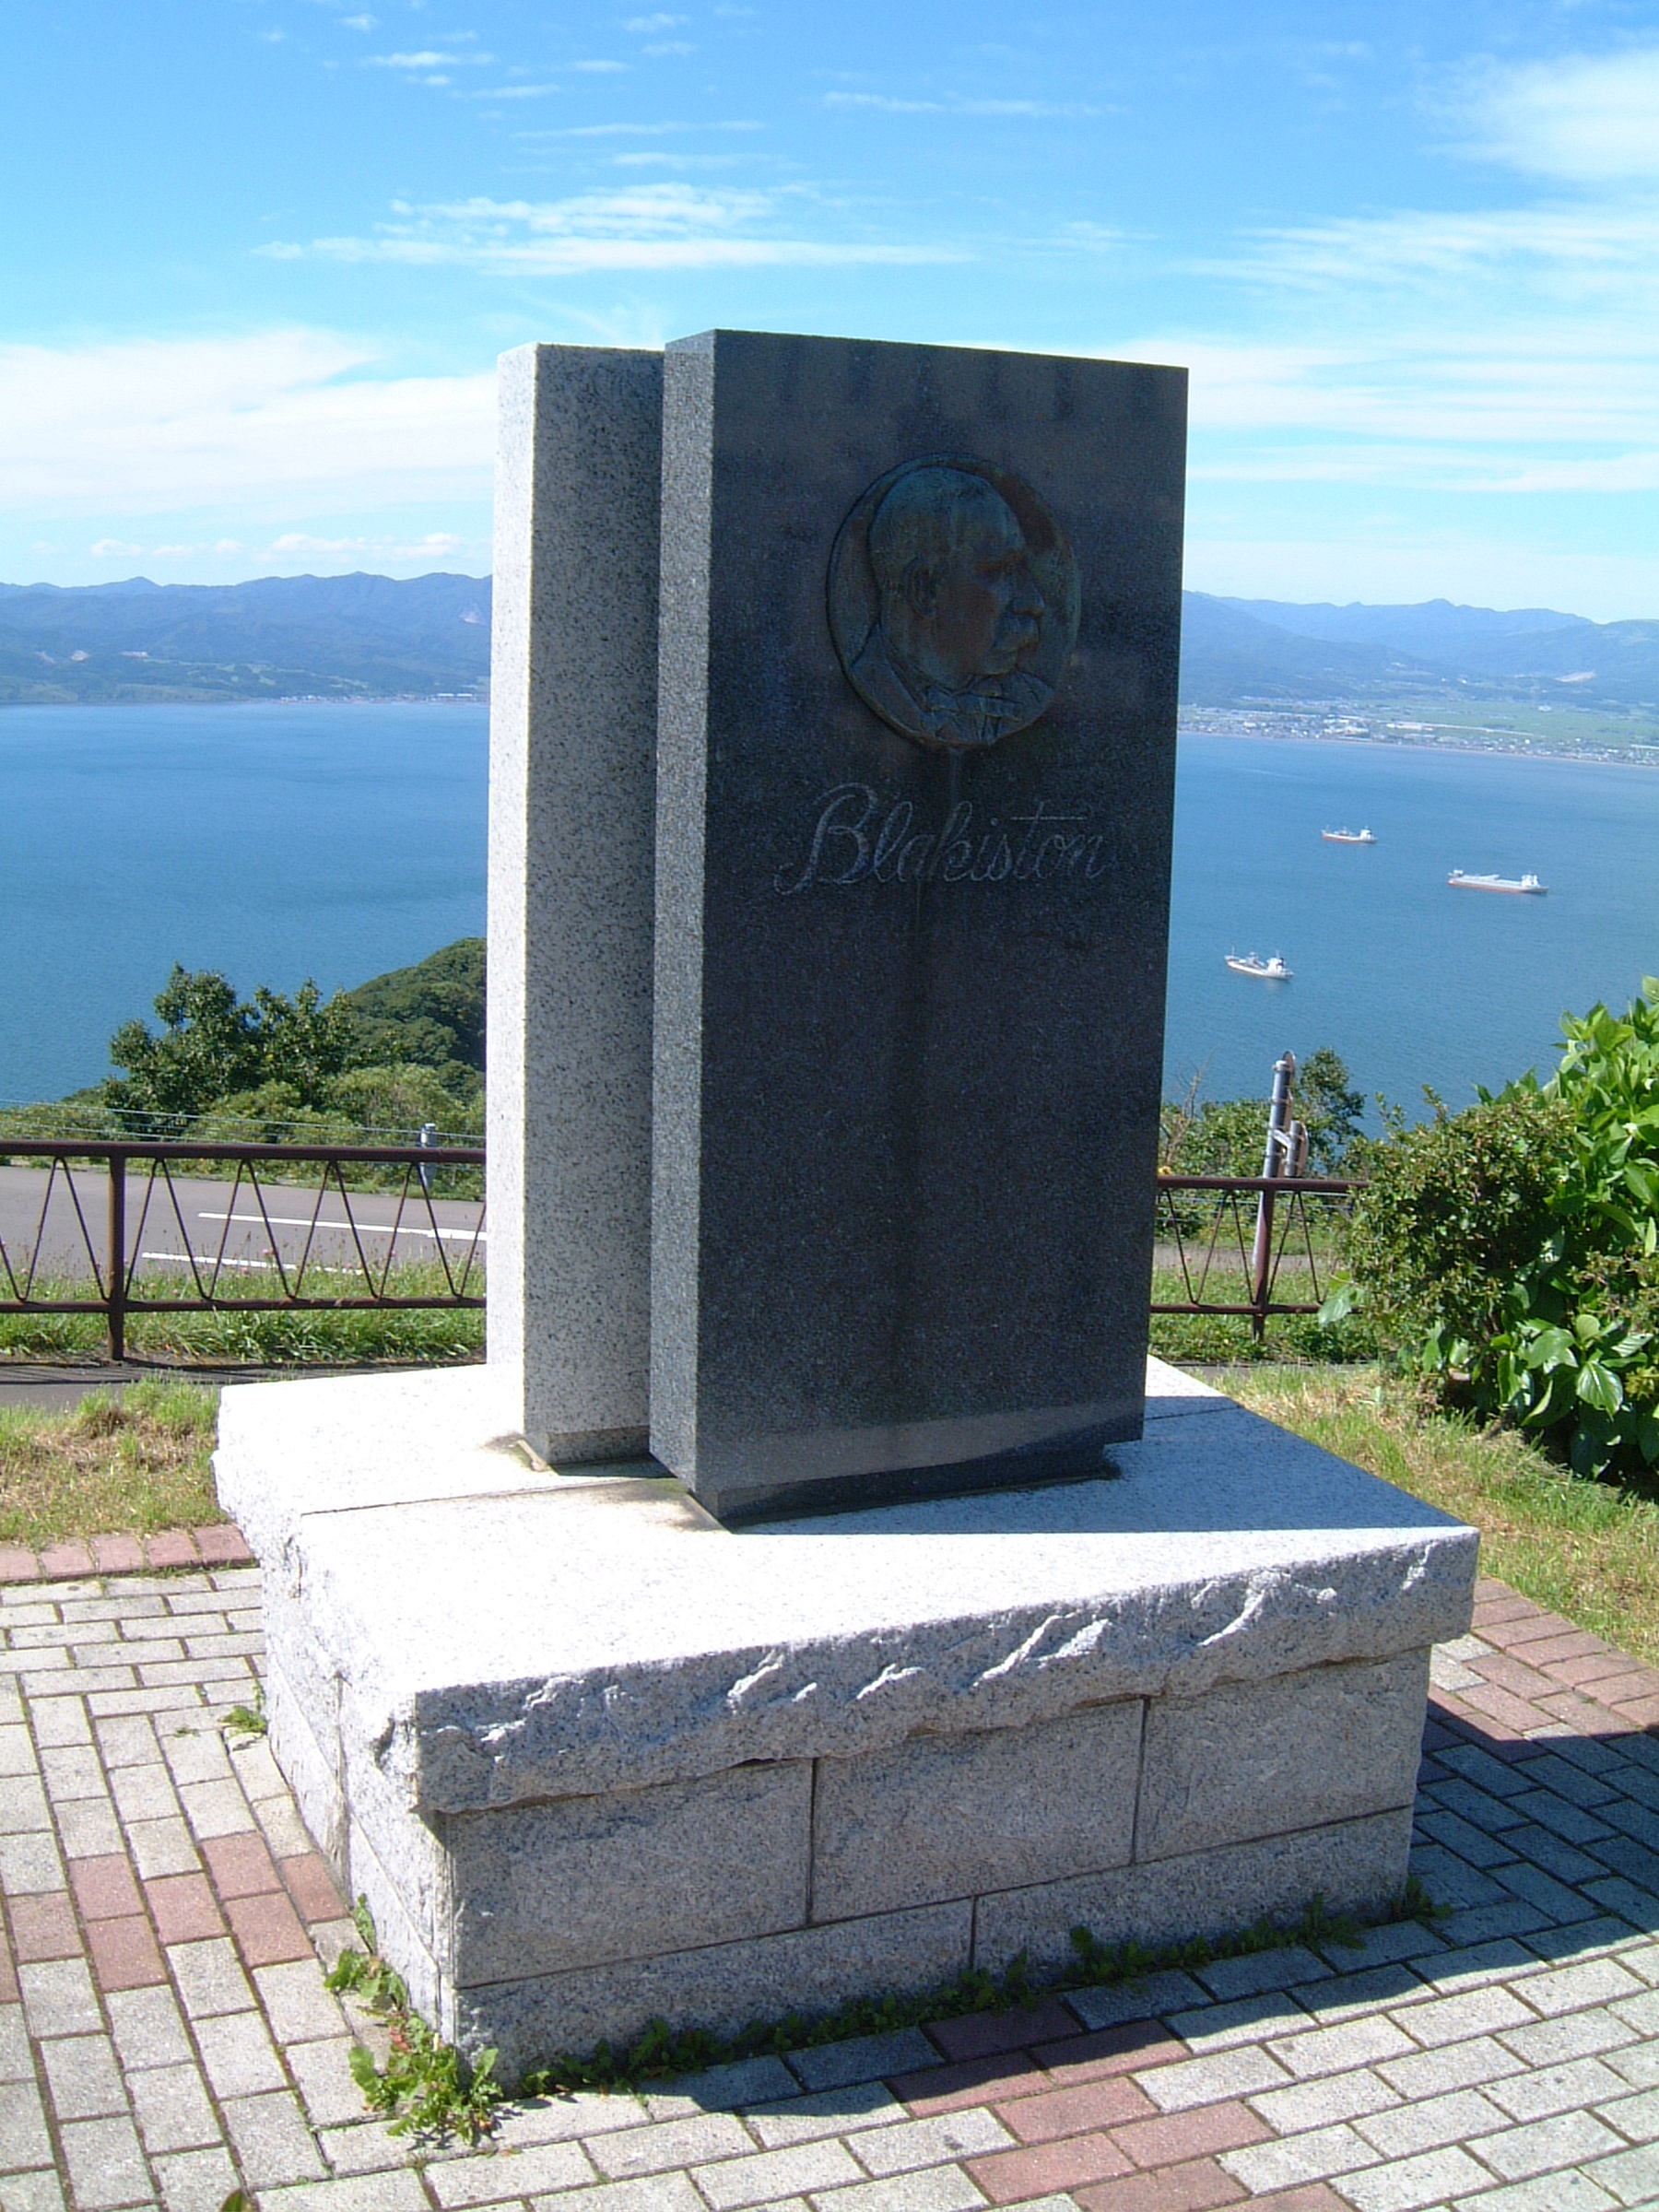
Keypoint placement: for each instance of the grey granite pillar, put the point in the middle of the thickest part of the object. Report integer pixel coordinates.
(920, 637)
(572, 740)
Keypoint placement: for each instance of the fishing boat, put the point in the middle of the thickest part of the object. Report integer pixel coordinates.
(1273, 969)
(1347, 837)
(1525, 886)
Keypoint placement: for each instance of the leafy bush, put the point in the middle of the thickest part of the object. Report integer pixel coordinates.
(1228, 1136)
(1517, 1244)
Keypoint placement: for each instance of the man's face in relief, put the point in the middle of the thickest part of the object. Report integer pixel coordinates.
(958, 601)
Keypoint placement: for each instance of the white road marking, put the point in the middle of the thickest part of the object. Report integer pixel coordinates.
(381, 1228)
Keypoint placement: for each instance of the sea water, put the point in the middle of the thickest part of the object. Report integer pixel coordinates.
(276, 843)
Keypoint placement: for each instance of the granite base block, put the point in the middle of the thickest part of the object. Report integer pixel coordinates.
(594, 1759)
(1354, 1865)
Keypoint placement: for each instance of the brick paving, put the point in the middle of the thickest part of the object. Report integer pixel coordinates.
(166, 2036)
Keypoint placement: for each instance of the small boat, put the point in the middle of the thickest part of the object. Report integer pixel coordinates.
(1273, 969)
(1347, 837)
(1526, 886)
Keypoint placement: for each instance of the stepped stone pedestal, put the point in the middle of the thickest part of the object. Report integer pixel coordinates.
(832, 767)
(594, 1758)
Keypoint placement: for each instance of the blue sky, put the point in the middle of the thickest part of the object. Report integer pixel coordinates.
(260, 256)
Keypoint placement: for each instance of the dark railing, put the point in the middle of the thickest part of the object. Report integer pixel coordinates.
(295, 1213)
(293, 1230)
(1252, 1245)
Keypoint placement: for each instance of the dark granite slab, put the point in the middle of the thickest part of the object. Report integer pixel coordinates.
(910, 976)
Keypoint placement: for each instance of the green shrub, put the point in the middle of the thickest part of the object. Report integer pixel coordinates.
(1517, 1244)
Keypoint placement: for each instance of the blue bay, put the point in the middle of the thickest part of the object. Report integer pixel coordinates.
(276, 843)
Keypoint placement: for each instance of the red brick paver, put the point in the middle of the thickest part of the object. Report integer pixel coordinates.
(222, 1545)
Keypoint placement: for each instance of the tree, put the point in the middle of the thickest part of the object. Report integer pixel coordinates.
(213, 1046)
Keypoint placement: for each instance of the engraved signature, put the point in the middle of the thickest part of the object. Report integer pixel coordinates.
(860, 838)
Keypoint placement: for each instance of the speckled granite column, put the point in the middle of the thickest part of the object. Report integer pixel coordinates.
(572, 740)
(921, 615)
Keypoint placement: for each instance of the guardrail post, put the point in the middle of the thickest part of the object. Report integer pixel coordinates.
(1273, 1165)
(115, 1304)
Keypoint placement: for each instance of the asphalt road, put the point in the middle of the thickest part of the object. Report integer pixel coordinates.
(61, 1220)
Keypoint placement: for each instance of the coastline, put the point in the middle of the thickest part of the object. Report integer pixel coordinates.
(1333, 722)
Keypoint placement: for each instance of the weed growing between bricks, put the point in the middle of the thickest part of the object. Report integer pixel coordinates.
(426, 2089)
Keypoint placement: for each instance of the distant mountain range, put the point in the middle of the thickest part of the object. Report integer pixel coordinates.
(330, 636)
(1261, 652)
(373, 636)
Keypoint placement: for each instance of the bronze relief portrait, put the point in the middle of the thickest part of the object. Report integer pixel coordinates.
(953, 602)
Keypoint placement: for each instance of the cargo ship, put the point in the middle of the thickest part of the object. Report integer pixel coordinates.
(1347, 837)
(1525, 886)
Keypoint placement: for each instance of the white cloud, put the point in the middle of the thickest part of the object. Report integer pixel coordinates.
(671, 46)
(427, 59)
(436, 544)
(666, 225)
(884, 104)
(170, 425)
(1585, 119)
(601, 68)
(114, 549)
(648, 23)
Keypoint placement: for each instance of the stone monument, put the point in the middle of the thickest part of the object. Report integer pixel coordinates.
(832, 737)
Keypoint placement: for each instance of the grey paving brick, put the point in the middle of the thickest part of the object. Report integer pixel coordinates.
(72, 1771)
(161, 1847)
(1553, 1810)
(1405, 2184)
(23, 2126)
(106, 2166)
(366, 2147)
(1353, 1996)
(34, 2192)
(1244, 2020)
(272, 2141)
(829, 2113)
(148, 2029)
(1564, 1861)
(1570, 1989)
(1324, 2102)
(1637, 1862)
(862, 2058)
(1461, 2116)
(568, 2119)
(1450, 2067)
(238, 2056)
(1484, 1924)
(1187, 2082)
(83, 2077)
(1154, 1997)
(1576, 2035)
(210, 1978)
(171, 2109)
(512, 2175)
(144, 1793)
(1547, 2146)
(1636, 2118)
(29, 1864)
(1360, 2042)
(298, 2007)
(1478, 1808)
(1581, 1940)
(929, 2142)
(323, 2074)
(1454, 2020)
(58, 1721)
(1632, 2176)
(663, 2144)
(1452, 1832)
(22, 1805)
(89, 1829)
(195, 2181)
(1472, 1966)
(1640, 2013)
(284, 1831)
(375, 2193)
(59, 1999)
(1637, 2063)
(1262, 1971)
(744, 2182)
(1565, 2089)
(721, 2089)
(945, 2190)
(1633, 1903)
(1557, 2193)
(112, 1703)
(17, 2062)
(128, 1742)
(1313, 2156)
(667, 2193)
(1380, 1947)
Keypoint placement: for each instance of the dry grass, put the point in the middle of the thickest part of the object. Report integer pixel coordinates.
(1587, 1549)
(134, 1463)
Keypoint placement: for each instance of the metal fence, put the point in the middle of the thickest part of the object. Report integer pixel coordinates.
(1252, 1245)
(289, 1230)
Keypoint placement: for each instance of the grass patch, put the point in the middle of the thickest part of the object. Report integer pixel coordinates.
(1585, 1547)
(134, 1463)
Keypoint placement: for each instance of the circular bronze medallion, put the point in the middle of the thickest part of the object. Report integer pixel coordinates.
(953, 601)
